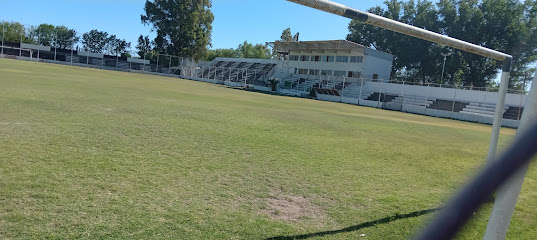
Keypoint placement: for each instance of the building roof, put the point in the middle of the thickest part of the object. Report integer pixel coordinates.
(331, 45)
(316, 45)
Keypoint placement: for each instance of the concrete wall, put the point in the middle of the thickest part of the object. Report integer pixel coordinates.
(375, 65)
(444, 93)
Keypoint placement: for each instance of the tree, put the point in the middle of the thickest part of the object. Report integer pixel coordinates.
(258, 51)
(183, 26)
(144, 46)
(116, 46)
(95, 41)
(222, 52)
(287, 36)
(12, 31)
(46, 34)
(505, 25)
(65, 38)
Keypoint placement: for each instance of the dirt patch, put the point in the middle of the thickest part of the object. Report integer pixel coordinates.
(292, 208)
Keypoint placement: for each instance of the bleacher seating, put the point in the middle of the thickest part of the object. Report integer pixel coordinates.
(446, 105)
(383, 97)
(326, 91)
(232, 71)
(413, 100)
(513, 113)
(481, 109)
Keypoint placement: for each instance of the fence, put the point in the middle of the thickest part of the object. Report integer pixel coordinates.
(26, 42)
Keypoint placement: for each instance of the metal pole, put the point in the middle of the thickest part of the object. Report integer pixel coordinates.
(508, 193)
(443, 68)
(72, 54)
(361, 87)
(55, 44)
(497, 124)
(20, 47)
(454, 99)
(170, 65)
(38, 45)
(521, 98)
(427, 97)
(3, 34)
(158, 56)
(143, 70)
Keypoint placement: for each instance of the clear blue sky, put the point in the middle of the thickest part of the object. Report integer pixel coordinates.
(257, 21)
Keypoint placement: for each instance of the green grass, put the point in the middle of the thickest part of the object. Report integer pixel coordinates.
(91, 154)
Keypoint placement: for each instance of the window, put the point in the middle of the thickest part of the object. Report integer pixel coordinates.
(342, 59)
(354, 74)
(293, 57)
(326, 72)
(328, 58)
(314, 72)
(302, 71)
(339, 73)
(305, 58)
(315, 58)
(357, 59)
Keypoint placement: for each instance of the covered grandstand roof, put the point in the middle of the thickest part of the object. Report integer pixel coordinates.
(316, 45)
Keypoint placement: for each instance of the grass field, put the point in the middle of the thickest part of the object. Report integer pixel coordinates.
(91, 154)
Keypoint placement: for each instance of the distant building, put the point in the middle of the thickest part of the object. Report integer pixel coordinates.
(334, 60)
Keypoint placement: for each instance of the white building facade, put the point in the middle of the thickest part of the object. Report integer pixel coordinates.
(336, 60)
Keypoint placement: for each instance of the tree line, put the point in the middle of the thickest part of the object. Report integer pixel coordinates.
(63, 37)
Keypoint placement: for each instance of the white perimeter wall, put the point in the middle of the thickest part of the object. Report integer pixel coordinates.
(444, 93)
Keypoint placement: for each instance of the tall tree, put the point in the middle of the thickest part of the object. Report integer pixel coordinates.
(505, 25)
(46, 34)
(183, 26)
(66, 38)
(95, 41)
(287, 36)
(116, 46)
(144, 46)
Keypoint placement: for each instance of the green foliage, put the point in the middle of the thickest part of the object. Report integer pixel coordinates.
(287, 36)
(95, 41)
(183, 26)
(100, 42)
(144, 47)
(44, 34)
(222, 52)
(13, 31)
(65, 38)
(505, 25)
(258, 51)
(116, 46)
(245, 50)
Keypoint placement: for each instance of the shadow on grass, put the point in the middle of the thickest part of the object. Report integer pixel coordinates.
(359, 226)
